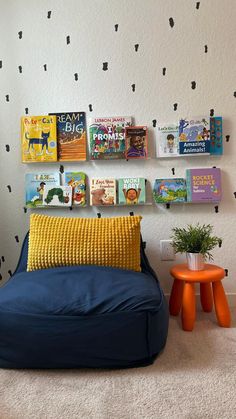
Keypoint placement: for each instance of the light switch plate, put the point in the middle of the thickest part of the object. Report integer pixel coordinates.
(167, 251)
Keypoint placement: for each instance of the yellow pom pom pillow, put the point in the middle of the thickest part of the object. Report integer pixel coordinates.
(61, 241)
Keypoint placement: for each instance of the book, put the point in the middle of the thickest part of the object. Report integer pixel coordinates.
(169, 190)
(39, 138)
(57, 196)
(34, 187)
(136, 142)
(71, 136)
(107, 137)
(77, 180)
(194, 136)
(102, 191)
(167, 140)
(132, 191)
(216, 135)
(203, 185)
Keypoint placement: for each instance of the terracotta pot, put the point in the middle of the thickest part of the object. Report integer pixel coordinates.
(196, 261)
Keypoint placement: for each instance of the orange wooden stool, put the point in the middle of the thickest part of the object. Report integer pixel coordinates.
(183, 294)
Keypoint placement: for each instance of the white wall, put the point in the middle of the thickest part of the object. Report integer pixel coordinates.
(93, 40)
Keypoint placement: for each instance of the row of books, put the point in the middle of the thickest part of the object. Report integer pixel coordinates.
(46, 189)
(200, 185)
(63, 137)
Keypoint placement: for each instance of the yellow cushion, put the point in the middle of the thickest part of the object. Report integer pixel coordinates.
(61, 241)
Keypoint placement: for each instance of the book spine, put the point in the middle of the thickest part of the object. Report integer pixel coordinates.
(189, 185)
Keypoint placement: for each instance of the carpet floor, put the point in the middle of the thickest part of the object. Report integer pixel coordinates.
(194, 378)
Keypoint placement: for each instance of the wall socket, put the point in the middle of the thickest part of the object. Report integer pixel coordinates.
(167, 251)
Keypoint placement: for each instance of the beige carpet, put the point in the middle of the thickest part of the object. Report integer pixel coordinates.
(194, 378)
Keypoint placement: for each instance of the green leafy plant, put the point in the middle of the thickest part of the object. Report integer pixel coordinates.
(195, 239)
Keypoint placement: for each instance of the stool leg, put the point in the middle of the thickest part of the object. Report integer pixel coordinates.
(221, 305)
(189, 307)
(206, 297)
(175, 301)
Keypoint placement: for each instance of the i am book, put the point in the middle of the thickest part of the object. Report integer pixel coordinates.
(136, 142)
(107, 137)
(131, 191)
(34, 187)
(39, 138)
(203, 185)
(169, 190)
(102, 191)
(77, 181)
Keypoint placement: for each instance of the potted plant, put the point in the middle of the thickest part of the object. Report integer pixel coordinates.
(197, 242)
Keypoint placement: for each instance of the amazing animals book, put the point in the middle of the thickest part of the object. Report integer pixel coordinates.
(194, 136)
(39, 138)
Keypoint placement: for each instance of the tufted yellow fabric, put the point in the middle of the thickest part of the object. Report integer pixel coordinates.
(61, 241)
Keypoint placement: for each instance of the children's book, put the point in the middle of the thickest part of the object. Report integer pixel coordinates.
(194, 136)
(131, 191)
(34, 187)
(216, 135)
(107, 137)
(39, 138)
(77, 180)
(136, 142)
(102, 191)
(169, 190)
(167, 140)
(71, 136)
(203, 185)
(57, 196)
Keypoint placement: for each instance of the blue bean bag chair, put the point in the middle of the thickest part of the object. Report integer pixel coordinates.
(81, 316)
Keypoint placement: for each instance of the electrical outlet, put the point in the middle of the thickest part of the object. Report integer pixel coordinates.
(167, 251)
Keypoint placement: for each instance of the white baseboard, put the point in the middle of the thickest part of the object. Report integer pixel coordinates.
(231, 300)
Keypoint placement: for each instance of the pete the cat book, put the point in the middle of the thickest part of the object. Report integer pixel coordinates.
(107, 137)
(102, 191)
(167, 140)
(77, 181)
(203, 185)
(39, 138)
(169, 190)
(136, 142)
(58, 196)
(71, 136)
(132, 191)
(194, 136)
(34, 187)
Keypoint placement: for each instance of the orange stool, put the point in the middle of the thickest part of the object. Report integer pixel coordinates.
(183, 294)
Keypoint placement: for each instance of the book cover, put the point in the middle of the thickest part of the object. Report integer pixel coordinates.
(169, 190)
(34, 187)
(39, 138)
(102, 191)
(203, 185)
(136, 142)
(71, 136)
(194, 136)
(57, 196)
(167, 140)
(77, 181)
(216, 135)
(107, 137)
(132, 191)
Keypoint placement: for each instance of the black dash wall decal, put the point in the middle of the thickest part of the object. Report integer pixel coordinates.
(20, 34)
(131, 213)
(17, 239)
(3, 259)
(133, 87)
(0, 63)
(234, 94)
(206, 48)
(71, 208)
(10, 272)
(227, 138)
(25, 210)
(45, 67)
(99, 215)
(175, 106)
(0, 277)
(26, 111)
(173, 171)
(105, 66)
(171, 22)
(91, 108)
(61, 168)
(226, 272)
(168, 205)
(76, 76)
(216, 209)
(193, 85)
(212, 112)
(20, 69)
(9, 188)
(7, 98)
(68, 40)
(164, 71)
(197, 5)
(49, 14)
(220, 243)
(234, 194)
(7, 148)
(136, 47)
(116, 27)
(154, 123)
